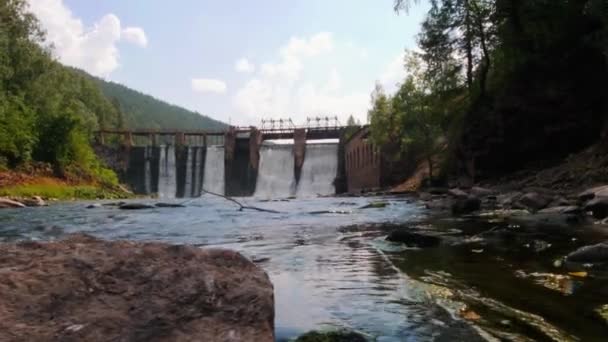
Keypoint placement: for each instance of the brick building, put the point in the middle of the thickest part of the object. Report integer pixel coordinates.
(363, 162)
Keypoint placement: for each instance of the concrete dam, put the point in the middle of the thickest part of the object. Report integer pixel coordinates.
(241, 163)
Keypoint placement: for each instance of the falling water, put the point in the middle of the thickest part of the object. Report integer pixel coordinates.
(166, 174)
(276, 172)
(319, 170)
(213, 178)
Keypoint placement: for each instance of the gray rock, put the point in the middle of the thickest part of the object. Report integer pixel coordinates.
(590, 254)
(508, 199)
(481, 192)
(535, 201)
(571, 209)
(457, 193)
(35, 201)
(94, 205)
(425, 196)
(9, 203)
(599, 207)
(466, 205)
(412, 239)
(560, 202)
(599, 191)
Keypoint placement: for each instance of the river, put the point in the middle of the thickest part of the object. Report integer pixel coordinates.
(331, 266)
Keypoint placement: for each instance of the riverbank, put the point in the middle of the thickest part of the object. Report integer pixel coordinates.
(23, 186)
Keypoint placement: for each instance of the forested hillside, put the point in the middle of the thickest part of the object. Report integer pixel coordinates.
(498, 84)
(48, 112)
(144, 111)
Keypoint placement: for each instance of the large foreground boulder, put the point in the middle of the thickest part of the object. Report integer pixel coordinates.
(85, 289)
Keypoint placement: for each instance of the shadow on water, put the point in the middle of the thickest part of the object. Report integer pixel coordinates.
(333, 269)
(510, 278)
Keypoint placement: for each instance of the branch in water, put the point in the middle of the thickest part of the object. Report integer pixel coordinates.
(241, 206)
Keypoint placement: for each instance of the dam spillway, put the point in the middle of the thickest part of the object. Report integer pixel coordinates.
(170, 171)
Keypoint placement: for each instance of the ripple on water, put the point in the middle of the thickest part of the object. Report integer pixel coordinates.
(319, 278)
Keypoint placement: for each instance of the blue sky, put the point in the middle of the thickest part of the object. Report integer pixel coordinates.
(297, 58)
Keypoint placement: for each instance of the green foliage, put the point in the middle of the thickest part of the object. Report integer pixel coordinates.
(47, 111)
(62, 192)
(410, 122)
(489, 69)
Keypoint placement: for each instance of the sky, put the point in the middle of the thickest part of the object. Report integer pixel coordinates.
(239, 61)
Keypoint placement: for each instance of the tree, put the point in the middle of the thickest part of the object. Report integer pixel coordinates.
(350, 122)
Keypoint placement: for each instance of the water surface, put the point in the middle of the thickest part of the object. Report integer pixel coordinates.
(335, 269)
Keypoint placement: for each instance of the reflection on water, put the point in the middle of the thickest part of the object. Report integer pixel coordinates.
(327, 275)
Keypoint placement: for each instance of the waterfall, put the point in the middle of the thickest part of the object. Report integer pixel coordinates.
(166, 174)
(319, 170)
(276, 172)
(213, 178)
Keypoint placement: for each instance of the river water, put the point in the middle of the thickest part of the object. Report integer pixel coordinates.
(331, 267)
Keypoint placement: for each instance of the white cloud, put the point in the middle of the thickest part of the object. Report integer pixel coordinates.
(208, 85)
(243, 65)
(305, 80)
(94, 48)
(135, 35)
(280, 89)
(393, 74)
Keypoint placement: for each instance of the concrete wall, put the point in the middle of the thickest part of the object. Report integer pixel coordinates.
(239, 174)
(362, 163)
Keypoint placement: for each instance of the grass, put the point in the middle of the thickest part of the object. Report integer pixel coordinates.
(62, 191)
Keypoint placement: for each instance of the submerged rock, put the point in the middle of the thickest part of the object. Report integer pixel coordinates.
(590, 254)
(599, 191)
(135, 206)
(535, 201)
(466, 205)
(457, 193)
(9, 203)
(85, 289)
(169, 205)
(412, 239)
(332, 336)
(375, 205)
(481, 192)
(602, 313)
(598, 206)
(571, 209)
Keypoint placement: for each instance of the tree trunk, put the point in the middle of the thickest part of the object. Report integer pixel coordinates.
(485, 66)
(468, 44)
